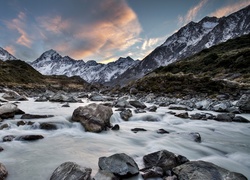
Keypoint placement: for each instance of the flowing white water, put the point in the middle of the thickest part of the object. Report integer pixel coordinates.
(225, 144)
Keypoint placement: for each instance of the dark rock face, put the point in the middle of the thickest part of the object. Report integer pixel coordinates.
(135, 130)
(224, 117)
(1, 149)
(105, 175)
(4, 126)
(93, 117)
(197, 170)
(244, 103)
(71, 171)
(162, 131)
(164, 159)
(152, 108)
(34, 116)
(22, 123)
(137, 104)
(48, 126)
(116, 127)
(126, 114)
(240, 119)
(121, 165)
(29, 137)
(152, 172)
(8, 138)
(182, 115)
(3, 172)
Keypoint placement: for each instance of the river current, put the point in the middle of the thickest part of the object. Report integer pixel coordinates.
(224, 144)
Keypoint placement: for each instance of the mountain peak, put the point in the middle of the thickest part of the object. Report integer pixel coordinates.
(5, 55)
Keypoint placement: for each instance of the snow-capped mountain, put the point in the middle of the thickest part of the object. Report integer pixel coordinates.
(5, 55)
(50, 62)
(191, 39)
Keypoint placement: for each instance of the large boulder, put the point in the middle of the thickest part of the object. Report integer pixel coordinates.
(121, 165)
(93, 117)
(197, 170)
(8, 110)
(3, 172)
(71, 171)
(244, 103)
(164, 159)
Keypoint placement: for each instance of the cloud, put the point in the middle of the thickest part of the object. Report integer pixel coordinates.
(10, 49)
(224, 11)
(192, 13)
(149, 43)
(107, 30)
(19, 25)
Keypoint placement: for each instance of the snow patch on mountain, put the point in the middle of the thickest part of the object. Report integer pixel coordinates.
(5, 55)
(52, 63)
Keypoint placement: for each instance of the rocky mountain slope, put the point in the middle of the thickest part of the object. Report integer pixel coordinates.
(50, 62)
(189, 40)
(5, 55)
(221, 69)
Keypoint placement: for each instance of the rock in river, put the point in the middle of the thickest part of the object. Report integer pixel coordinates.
(93, 117)
(71, 171)
(164, 159)
(3, 172)
(197, 170)
(121, 165)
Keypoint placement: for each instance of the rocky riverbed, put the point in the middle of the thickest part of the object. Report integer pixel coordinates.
(58, 135)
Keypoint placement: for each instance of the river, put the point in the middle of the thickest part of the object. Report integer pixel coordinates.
(224, 144)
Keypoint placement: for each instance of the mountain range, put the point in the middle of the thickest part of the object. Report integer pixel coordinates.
(190, 39)
(50, 62)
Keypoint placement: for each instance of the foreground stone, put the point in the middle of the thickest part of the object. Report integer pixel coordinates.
(71, 171)
(3, 172)
(1, 149)
(163, 159)
(93, 117)
(121, 165)
(197, 170)
(137, 104)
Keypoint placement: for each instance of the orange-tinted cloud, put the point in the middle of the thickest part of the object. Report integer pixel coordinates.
(19, 25)
(10, 49)
(53, 24)
(224, 11)
(110, 29)
(192, 13)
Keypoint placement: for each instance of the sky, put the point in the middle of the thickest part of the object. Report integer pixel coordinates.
(101, 30)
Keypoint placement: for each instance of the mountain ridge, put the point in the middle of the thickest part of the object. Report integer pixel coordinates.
(51, 62)
(189, 40)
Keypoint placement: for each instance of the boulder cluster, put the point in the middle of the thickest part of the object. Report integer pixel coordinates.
(161, 164)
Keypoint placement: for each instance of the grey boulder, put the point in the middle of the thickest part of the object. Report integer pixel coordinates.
(121, 165)
(197, 170)
(71, 171)
(93, 117)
